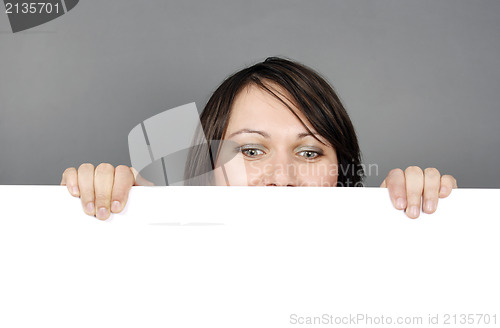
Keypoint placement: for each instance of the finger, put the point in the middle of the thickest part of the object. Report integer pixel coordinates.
(396, 184)
(70, 180)
(86, 186)
(383, 184)
(414, 187)
(124, 180)
(432, 183)
(103, 184)
(448, 183)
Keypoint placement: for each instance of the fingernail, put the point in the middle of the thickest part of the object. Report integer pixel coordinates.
(74, 190)
(400, 203)
(413, 211)
(115, 206)
(90, 208)
(429, 206)
(102, 213)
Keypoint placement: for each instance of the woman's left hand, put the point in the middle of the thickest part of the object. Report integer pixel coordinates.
(408, 188)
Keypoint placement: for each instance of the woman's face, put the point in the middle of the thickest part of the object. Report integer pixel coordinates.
(268, 146)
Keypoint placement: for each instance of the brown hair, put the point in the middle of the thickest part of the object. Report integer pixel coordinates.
(312, 95)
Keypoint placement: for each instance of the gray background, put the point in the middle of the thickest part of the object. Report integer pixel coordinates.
(420, 79)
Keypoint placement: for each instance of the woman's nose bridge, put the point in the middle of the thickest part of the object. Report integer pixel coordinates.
(281, 170)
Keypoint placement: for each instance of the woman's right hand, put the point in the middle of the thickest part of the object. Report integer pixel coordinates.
(103, 189)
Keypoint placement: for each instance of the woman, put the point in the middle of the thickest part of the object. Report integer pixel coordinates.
(277, 123)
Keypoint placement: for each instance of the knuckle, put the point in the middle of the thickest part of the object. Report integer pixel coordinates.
(413, 170)
(86, 166)
(450, 179)
(102, 196)
(431, 171)
(395, 180)
(69, 170)
(415, 192)
(87, 196)
(413, 200)
(447, 178)
(427, 199)
(119, 195)
(122, 169)
(396, 189)
(395, 172)
(104, 167)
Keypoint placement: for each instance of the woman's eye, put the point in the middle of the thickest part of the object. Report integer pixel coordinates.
(309, 154)
(252, 152)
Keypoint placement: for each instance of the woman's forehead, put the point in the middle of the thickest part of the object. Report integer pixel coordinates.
(256, 108)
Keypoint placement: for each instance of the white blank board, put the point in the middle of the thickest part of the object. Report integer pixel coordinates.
(247, 257)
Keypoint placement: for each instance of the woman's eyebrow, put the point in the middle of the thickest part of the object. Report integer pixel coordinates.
(262, 133)
(305, 134)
